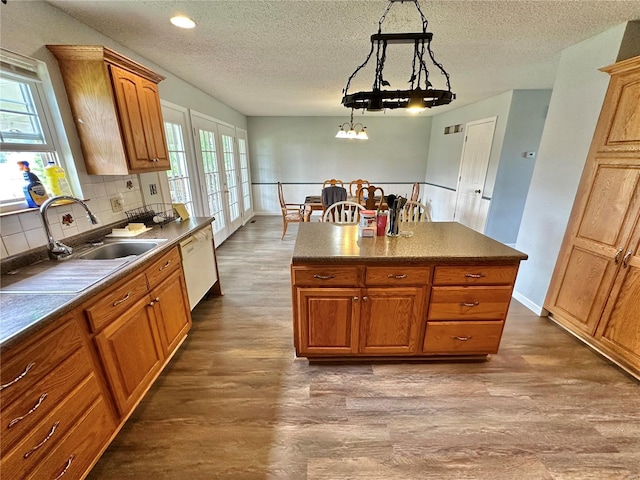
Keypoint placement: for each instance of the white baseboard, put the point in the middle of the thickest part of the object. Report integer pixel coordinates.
(534, 307)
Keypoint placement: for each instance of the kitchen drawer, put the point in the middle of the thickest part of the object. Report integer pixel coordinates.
(462, 337)
(77, 451)
(22, 367)
(163, 267)
(393, 276)
(469, 303)
(21, 416)
(330, 276)
(43, 438)
(475, 275)
(115, 302)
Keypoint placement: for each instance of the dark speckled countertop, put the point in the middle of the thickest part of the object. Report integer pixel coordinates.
(449, 242)
(22, 314)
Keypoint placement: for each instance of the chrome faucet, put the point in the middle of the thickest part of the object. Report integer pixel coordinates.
(58, 250)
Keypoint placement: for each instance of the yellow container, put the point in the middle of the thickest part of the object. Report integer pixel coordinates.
(56, 180)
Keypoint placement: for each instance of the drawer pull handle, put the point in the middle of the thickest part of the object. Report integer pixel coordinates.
(46, 439)
(164, 266)
(35, 407)
(625, 259)
(324, 277)
(19, 377)
(66, 467)
(466, 304)
(397, 277)
(474, 275)
(462, 339)
(118, 302)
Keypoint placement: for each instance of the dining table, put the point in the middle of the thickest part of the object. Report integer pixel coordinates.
(314, 202)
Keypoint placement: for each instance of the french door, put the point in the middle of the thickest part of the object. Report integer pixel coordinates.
(219, 169)
(246, 205)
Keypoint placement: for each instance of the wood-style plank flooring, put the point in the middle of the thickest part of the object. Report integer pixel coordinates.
(235, 404)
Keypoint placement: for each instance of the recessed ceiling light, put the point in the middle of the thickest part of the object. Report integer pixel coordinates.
(183, 22)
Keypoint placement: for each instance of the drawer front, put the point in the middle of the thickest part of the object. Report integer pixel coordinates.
(163, 267)
(462, 337)
(476, 275)
(73, 456)
(115, 302)
(325, 276)
(43, 438)
(469, 303)
(21, 416)
(22, 368)
(392, 276)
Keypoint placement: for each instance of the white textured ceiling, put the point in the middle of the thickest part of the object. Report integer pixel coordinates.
(293, 57)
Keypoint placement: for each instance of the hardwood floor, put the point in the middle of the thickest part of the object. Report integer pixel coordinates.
(235, 404)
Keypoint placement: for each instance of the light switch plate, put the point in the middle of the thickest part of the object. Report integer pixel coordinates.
(116, 204)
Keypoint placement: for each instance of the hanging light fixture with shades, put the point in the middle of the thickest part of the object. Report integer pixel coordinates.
(351, 130)
(422, 94)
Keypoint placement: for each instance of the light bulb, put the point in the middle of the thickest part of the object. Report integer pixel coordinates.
(182, 21)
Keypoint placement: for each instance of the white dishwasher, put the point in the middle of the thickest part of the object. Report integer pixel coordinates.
(199, 264)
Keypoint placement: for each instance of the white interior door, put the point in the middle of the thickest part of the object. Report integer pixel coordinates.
(231, 179)
(476, 151)
(246, 205)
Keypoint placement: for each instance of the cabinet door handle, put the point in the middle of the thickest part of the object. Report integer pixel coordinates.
(616, 258)
(397, 277)
(474, 275)
(355, 299)
(164, 266)
(35, 407)
(154, 160)
(66, 467)
(462, 339)
(465, 304)
(625, 259)
(365, 298)
(324, 277)
(19, 377)
(122, 300)
(46, 439)
(154, 301)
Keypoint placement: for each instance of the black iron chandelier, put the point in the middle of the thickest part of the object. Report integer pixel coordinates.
(422, 94)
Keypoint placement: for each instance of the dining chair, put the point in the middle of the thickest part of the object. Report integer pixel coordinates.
(415, 212)
(331, 195)
(332, 182)
(415, 193)
(291, 212)
(356, 185)
(371, 197)
(343, 212)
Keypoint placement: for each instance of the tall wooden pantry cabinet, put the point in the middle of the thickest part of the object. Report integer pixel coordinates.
(595, 289)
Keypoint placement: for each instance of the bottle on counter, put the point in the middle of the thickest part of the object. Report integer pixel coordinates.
(34, 191)
(56, 179)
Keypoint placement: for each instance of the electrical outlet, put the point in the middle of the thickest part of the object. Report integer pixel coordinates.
(153, 189)
(117, 204)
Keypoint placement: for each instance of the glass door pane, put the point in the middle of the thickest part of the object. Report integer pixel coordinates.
(231, 176)
(213, 183)
(178, 176)
(245, 176)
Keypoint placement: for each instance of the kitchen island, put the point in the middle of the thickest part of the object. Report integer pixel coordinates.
(441, 290)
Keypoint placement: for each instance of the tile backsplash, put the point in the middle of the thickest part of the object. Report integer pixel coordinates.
(24, 231)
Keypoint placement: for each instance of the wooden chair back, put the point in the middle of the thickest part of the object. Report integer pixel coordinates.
(356, 185)
(415, 212)
(371, 197)
(415, 193)
(332, 182)
(343, 212)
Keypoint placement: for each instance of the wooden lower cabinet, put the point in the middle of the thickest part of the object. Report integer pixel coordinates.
(386, 311)
(131, 354)
(67, 390)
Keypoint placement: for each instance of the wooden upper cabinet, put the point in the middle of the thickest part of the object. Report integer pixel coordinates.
(116, 109)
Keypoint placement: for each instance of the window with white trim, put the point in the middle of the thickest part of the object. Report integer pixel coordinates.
(26, 130)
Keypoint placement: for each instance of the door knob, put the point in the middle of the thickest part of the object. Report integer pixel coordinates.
(478, 191)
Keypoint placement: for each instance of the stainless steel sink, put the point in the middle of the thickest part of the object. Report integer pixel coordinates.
(119, 249)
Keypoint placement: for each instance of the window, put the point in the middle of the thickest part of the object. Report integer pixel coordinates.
(25, 126)
(178, 176)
